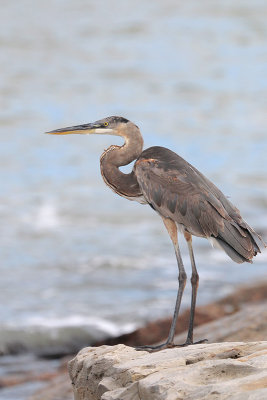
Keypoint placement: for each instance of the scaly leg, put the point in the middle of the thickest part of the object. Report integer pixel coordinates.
(172, 230)
(194, 283)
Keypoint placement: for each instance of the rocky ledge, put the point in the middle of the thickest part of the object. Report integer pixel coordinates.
(240, 317)
(232, 370)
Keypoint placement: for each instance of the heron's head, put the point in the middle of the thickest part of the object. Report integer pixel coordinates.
(109, 126)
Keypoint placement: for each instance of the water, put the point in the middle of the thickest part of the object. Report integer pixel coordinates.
(21, 368)
(77, 261)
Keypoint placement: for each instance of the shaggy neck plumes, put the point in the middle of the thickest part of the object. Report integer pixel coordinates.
(116, 156)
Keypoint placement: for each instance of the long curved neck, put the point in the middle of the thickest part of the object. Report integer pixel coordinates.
(117, 156)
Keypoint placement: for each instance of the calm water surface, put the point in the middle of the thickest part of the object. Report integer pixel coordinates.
(77, 260)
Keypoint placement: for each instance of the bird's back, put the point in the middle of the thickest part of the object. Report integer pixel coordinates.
(177, 190)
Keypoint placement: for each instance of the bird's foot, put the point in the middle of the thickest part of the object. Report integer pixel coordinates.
(189, 342)
(166, 345)
(158, 347)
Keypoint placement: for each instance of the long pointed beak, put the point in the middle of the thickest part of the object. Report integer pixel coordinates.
(81, 129)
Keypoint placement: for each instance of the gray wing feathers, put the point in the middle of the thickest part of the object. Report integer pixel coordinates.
(243, 244)
(182, 193)
(231, 252)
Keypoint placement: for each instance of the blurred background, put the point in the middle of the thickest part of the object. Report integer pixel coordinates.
(78, 262)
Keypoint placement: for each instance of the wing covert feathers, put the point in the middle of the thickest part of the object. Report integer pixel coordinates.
(177, 190)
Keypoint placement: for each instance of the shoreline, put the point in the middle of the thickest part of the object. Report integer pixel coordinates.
(154, 332)
(56, 383)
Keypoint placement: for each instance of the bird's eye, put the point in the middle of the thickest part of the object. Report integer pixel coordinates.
(105, 123)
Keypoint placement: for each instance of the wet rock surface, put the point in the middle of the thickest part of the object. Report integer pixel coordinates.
(157, 331)
(248, 324)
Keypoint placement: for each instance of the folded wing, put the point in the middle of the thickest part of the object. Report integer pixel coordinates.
(177, 190)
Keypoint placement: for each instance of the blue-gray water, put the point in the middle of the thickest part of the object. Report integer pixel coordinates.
(75, 258)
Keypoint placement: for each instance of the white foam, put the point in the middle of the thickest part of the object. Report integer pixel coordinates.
(46, 217)
(76, 321)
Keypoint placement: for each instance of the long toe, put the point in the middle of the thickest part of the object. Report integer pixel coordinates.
(190, 342)
(155, 348)
(158, 347)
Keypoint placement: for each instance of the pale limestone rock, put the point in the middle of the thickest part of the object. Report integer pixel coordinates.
(218, 371)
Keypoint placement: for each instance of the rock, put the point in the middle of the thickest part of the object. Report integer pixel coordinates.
(249, 324)
(235, 371)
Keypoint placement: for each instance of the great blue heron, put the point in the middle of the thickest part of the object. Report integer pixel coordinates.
(184, 198)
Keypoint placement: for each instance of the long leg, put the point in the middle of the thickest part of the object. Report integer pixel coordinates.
(194, 283)
(172, 230)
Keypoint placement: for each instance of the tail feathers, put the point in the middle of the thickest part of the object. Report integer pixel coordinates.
(241, 244)
(231, 252)
(257, 240)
